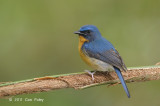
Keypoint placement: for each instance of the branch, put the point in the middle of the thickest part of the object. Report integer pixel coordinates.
(77, 81)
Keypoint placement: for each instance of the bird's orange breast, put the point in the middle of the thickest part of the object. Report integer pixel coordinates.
(85, 58)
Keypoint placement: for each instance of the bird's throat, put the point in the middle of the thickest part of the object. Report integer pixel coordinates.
(81, 41)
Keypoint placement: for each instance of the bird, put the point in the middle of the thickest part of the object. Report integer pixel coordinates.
(99, 53)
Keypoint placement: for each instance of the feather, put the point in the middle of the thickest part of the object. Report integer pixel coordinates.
(105, 52)
(122, 81)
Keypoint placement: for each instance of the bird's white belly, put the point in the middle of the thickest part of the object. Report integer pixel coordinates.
(100, 65)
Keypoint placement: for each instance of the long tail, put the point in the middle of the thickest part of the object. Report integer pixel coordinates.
(122, 81)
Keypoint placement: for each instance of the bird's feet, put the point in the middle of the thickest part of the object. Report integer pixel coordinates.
(91, 73)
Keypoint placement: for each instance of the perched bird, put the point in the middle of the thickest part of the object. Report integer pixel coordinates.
(99, 53)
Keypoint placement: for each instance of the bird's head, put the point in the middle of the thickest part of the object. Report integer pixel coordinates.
(89, 32)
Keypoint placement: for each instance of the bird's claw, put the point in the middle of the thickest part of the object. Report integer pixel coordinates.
(91, 73)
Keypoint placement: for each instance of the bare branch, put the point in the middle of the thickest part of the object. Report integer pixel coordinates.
(77, 81)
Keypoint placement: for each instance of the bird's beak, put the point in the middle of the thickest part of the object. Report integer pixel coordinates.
(78, 32)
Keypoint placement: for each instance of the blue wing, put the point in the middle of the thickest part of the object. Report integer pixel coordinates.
(103, 50)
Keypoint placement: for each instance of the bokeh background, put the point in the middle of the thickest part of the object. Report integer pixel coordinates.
(36, 39)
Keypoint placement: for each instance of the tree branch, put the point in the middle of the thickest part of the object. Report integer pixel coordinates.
(77, 81)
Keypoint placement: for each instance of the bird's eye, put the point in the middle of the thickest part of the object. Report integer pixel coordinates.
(88, 31)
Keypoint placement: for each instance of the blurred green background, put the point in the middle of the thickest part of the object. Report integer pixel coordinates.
(36, 39)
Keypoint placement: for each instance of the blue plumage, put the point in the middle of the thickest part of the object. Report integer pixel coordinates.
(100, 53)
(122, 81)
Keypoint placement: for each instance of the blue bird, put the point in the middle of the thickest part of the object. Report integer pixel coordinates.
(99, 53)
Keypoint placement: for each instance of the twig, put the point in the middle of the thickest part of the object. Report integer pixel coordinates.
(77, 81)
